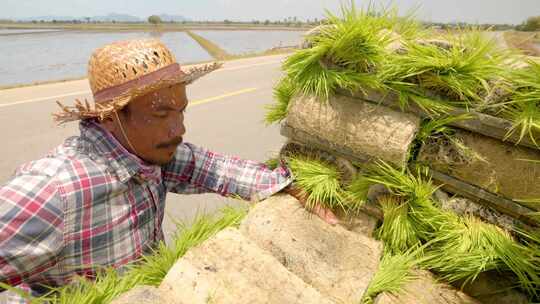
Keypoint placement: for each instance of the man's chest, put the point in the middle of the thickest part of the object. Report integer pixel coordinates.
(113, 224)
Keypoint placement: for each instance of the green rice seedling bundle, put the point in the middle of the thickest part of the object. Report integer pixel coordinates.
(354, 53)
(394, 271)
(455, 248)
(438, 78)
(320, 180)
(524, 107)
(346, 52)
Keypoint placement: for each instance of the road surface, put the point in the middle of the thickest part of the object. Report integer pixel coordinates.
(225, 114)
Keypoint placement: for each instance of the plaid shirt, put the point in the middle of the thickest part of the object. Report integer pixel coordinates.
(92, 203)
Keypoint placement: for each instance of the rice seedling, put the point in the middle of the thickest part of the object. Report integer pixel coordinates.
(438, 126)
(458, 76)
(456, 248)
(283, 93)
(320, 180)
(393, 273)
(524, 108)
(272, 162)
(357, 190)
(397, 231)
(313, 78)
(401, 182)
(346, 52)
(462, 251)
(151, 270)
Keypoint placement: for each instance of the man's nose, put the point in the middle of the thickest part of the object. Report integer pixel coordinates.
(178, 129)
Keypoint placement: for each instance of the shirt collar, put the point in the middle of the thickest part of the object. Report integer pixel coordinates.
(124, 164)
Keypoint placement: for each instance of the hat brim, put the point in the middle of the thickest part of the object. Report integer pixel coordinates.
(114, 99)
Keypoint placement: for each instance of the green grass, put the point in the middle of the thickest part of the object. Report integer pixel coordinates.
(393, 273)
(524, 108)
(467, 247)
(438, 126)
(283, 93)
(150, 270)
(346, 52)
(398, 231)
(456, 248)
(320, 180)
(459, 76)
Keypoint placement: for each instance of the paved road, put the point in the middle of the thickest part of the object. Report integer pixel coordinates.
(226, 113)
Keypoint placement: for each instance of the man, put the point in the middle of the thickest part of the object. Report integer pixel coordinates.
(98, 199)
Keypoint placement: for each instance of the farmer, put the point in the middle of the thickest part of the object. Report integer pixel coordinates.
(98, 200)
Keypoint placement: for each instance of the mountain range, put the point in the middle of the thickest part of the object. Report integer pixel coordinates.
(107, 18)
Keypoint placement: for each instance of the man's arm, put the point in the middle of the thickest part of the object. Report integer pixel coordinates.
(197, 170)
(31, 228)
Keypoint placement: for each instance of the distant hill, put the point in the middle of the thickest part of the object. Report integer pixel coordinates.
(117, 18)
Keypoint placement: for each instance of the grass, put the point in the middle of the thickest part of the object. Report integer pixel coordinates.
(460, 76)
(393, 273)
(345, 53)
(524, 108)
(320, 180)
(467, 247)
(151, 270)
(438, 127)
(398, 231)
(283, 93)
(456, 248)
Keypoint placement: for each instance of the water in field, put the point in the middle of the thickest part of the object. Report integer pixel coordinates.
(35, 55)
(242, 42)
(64, 54)
(25, 31)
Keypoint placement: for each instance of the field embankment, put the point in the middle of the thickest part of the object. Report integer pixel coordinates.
(527, 42)
(220, 54)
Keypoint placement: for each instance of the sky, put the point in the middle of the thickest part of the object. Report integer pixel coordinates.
(473, 11)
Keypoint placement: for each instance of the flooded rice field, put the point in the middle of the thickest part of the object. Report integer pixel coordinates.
(27, 56)
(25, 31)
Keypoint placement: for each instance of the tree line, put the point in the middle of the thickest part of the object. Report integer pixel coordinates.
(531, 24)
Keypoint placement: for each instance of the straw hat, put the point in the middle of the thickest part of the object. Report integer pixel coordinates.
(121, 71)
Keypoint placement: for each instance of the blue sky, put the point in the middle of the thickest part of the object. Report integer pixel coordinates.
(494, 11)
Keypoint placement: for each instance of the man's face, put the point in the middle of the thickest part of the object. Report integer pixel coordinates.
(154, 124)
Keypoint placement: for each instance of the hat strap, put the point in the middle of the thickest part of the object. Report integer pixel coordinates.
(124, 132)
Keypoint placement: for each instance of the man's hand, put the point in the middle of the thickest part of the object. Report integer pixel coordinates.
(324, 213)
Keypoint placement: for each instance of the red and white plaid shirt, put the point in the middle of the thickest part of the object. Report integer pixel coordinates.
(91, 204)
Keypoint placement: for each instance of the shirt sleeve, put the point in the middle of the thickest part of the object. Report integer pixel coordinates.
(31, 228)
(197, 170)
